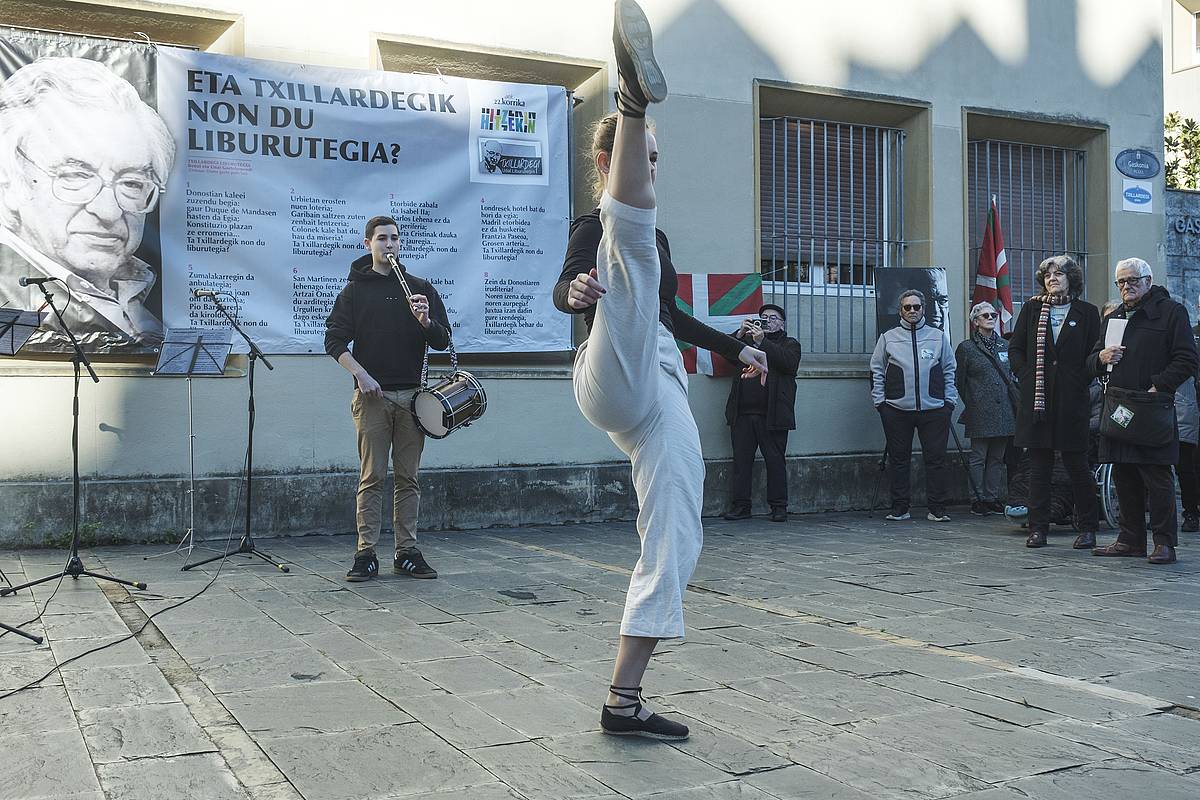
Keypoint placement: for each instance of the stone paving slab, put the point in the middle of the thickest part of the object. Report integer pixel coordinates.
(158, 730)
(879, 770)
(834, 656)
(1112, 780)
(47, 765)
(196, 776)
(374, 763)
(537, 773)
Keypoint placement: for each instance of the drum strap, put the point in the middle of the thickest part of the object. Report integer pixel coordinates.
(425, 360)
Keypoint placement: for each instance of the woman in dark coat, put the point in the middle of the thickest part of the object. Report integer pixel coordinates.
(1049, 350)
(987, 389)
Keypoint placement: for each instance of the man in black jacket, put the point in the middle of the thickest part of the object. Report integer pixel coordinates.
(760, 416)
(1156, 354)
(389, 332)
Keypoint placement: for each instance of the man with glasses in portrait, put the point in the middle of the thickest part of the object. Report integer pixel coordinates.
(84, 161)
(760, 416)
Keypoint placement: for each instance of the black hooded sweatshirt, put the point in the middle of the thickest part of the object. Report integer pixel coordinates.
(372, 312)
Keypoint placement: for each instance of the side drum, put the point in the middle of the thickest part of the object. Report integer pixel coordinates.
(454, 403)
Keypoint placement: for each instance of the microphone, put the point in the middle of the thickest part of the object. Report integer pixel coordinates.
(35, 281)
(204, 293)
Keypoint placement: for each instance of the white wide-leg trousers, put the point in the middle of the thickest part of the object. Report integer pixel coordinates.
(630, 382)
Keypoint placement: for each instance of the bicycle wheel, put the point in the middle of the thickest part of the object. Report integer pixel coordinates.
(1108, 495)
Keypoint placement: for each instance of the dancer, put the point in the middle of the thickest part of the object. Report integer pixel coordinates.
(629, 379)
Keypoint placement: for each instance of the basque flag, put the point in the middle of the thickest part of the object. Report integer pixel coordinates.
(720, 301)
(991, 276)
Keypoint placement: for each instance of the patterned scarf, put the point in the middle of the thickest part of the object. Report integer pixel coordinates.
(990, 342)
(1039, 379)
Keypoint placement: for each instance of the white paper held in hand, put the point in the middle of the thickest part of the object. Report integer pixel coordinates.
(1114, 333)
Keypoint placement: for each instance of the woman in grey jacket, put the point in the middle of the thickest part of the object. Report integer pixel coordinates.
(987, 388)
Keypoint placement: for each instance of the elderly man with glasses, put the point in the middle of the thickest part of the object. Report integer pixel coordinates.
(85, 162)
(760, 416)
(912, 388)
(1157, 354)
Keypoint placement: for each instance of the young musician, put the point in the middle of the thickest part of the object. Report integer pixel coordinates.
(389, 332)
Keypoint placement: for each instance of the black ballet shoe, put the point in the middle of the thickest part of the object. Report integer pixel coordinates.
(642, 81)
(652, 727)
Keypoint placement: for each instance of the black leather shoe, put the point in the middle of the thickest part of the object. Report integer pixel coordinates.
(1036, 539)
(1191, 522)
(1085, 541)
(737, 512)
(778, 514)
(633, 46)
(1163, 554)
(1119, 549)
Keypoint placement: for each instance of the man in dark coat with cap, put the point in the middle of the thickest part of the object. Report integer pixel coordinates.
(1156, 354)
(760, 417)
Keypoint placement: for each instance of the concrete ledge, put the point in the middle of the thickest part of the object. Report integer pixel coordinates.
(38, 513)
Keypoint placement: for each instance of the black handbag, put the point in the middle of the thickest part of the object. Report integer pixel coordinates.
(1145, 419)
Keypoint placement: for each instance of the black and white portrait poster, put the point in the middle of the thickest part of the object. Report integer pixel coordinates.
(84, 158)
(931, 282)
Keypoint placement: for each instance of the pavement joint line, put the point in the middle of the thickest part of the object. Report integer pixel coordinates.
(881, 636)
(205, 708)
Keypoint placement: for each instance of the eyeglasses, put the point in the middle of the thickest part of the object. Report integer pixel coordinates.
(986, 315)
(916, 307)
(135, 193)
(1122, 282)
(771, 318)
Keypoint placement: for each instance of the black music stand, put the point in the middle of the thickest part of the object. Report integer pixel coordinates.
(15, 329)
(74, 566)
(190, 352)
(246, 545)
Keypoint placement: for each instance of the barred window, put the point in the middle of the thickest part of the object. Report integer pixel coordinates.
(1040, 194)
(830, 214)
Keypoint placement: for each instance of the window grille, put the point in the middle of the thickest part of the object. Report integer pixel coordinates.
(1040, 193)
(830, 214)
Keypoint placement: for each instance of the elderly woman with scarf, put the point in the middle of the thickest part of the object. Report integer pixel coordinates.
(988, 390)
(1049, 349)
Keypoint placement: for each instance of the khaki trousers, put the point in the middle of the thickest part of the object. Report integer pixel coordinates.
(384, 425)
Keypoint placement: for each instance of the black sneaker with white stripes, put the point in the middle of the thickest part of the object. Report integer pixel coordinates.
(366, 567)
(412, 564)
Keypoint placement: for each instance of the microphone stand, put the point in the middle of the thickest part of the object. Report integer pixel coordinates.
(246, 545)
(74, 566)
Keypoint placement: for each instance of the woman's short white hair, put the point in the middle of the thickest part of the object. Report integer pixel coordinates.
(980, 308)
(1141, 266)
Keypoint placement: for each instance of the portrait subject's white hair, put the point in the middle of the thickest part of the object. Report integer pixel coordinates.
(82, 83)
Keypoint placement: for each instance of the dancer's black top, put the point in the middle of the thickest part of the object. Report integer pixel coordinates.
(581, 257)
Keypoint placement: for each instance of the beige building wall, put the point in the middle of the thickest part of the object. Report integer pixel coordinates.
(1181, 57)
(1088, 69)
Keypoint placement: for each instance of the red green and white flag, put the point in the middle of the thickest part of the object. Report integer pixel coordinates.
(720, 301)
(991, 276)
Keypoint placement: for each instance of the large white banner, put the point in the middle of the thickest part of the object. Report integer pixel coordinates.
(279, 166)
